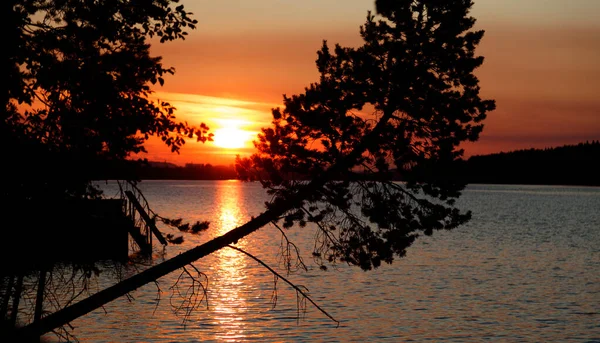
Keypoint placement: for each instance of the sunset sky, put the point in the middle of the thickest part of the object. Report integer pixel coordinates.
(542, 66)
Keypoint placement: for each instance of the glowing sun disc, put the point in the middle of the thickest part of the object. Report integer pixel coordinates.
(230, 138)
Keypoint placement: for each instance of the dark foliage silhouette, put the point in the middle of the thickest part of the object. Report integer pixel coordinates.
(401, 102)
(79, 77)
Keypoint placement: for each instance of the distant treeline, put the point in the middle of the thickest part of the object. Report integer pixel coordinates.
(191, 171)
(567, 165)
(167, 171)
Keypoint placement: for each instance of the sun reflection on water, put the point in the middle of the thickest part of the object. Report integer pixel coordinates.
(230, 307)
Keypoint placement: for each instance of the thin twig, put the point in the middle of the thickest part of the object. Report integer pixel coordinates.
(286, 280)
(286, 254)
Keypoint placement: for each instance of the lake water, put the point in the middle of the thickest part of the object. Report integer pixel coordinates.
(526, 268)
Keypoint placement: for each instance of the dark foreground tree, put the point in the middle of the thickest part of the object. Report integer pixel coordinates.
(77, 78)
(75, 96)
(397, 107)
(78, 98)
(400, 104)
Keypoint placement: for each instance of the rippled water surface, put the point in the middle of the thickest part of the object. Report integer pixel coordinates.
(525, 269)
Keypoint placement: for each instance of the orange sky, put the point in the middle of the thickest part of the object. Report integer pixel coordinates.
(542, 67)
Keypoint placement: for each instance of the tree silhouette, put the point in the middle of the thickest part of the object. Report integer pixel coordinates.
(78, 77)
(398, 105)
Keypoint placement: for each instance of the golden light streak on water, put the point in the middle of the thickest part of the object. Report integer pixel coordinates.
(230, 307)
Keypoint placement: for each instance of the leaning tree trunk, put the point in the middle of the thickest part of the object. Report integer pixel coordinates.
(70, 313)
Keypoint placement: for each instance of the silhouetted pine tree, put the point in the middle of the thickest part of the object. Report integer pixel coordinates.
(404, 100)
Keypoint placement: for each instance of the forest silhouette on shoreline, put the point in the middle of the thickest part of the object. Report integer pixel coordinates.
(564, 165)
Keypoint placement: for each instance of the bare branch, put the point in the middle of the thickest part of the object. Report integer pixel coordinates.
(286, 253)
(191, 294)
(297, 288)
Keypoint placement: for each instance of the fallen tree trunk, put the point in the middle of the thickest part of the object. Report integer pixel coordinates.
(70, 313)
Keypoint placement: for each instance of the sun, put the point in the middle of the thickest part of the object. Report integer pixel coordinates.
(230, 138)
